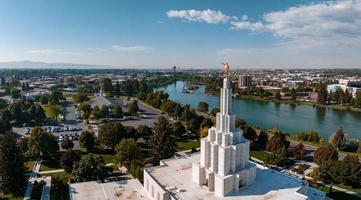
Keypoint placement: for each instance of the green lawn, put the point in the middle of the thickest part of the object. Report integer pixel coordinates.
(29, 165)
(10, 197)
(60, 175)
(108, 158)
(358, 190)
(338, 195)
(52, 163)
(260, 155)
(187, 144)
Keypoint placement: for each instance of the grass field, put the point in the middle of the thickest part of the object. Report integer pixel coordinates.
(10, 197)
(260, 155)
(187, 144)
(108, 158)
(338, 195)
(60, 175)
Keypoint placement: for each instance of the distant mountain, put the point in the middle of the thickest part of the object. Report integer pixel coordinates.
(43, 65)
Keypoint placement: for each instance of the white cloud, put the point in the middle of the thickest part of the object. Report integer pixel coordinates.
(329, 21)
(54, 52)
(97, 49)
(246, 25)
(207, 16)
(132, 49)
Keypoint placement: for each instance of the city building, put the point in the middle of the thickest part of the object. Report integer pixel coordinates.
(244, 80)
(222, 169)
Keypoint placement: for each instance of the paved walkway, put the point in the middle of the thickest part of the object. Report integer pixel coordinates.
(32, 178)
(51, 171)
(45, 195)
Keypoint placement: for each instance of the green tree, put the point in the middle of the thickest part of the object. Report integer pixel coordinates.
(110, 134)
(162, 142)
(11, 166)
(80, 97)
(133, 107)
(178, 128)
(262, 140)
(67, 144)
(144, 132)
(214, 111)
(67, 160)
(53, 111)
(89, 168)
(293, 94)
(42, 143)
(86, 140)
(107, 85)
(127, 152)
(104, 112)
(96, 112)
(203, 106)
(278, 95)
(322, 94)
(118, 112)
(249, 133)
(337, 139)
(357, 100)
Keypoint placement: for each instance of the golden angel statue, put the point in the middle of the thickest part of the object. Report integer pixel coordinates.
(226, 69)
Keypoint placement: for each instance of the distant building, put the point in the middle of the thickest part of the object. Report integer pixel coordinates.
(244, 80)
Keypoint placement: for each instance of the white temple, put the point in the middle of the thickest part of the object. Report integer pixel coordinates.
(224, 166)
(222, 169)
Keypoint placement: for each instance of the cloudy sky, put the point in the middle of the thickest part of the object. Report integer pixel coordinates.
(198, 34)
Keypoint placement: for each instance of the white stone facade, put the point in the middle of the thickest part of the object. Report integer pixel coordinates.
(224, 166)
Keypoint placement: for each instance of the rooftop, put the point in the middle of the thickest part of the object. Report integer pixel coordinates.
(130, 189)
(270, 184)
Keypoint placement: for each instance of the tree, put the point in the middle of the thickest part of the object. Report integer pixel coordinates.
(53, 111)
(86, 140)
(203, 106)
(96, 112)
(89, 168)
(178, 128)
(162, 142)
(127, 152)
(298, 151)
(293, 94)
(278, 95)
(359, 147)
(279, 158)
(144, 132)
(67, 144)
(277, 142)
(322, 94)
(42, 143)
(357, 100)
(337, 139)
(214, 111)
(11, 166)
(325, 154)
(249, 133)
(22, 145)
(80, 97)
(104, 112)
(203, 132)
(240, 123)
(67, 160)
(118, 112)
(110, 134)
(262, 140)
(133, 107)
(107, 85)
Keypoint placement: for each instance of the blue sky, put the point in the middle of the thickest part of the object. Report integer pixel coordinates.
(159, 34)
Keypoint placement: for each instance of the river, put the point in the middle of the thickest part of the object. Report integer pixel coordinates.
(286, 117)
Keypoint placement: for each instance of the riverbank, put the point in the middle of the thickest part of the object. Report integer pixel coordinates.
(287, 101)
